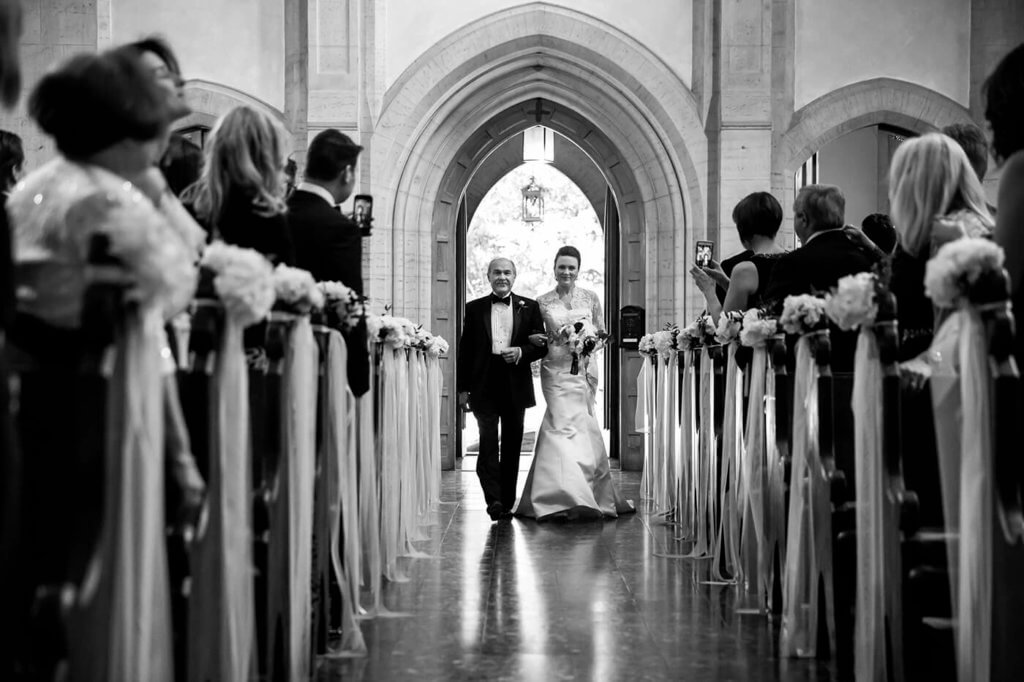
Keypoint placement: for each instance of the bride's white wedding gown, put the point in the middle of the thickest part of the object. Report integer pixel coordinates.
(569, 476)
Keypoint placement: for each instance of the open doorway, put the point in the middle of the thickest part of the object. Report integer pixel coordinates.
(505, 223)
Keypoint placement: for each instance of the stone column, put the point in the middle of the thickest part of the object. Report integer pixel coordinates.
(53, 31)
(740, 118)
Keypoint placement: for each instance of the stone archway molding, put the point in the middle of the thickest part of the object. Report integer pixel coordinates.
(209, 101)
(524, 53)
(871, 102)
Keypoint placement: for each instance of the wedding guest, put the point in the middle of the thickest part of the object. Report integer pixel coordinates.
(109, 122)
(163, 65)
(827, 253)
(936, 197)
(879, 229)
(972, 140)
(1004, 110)
(181, 164)
(12, 158)
(240, 195)
(757, 217)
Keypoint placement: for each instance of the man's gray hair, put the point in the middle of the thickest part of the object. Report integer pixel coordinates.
(823, 206)
(490, 266)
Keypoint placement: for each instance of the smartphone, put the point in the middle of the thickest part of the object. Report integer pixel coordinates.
(704, 253)
(362, 211)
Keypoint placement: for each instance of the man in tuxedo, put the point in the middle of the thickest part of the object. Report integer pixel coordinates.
(327, 242)
(494, 380)
(827, 253)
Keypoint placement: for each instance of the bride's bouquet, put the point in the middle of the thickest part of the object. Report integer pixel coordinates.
(583, 340)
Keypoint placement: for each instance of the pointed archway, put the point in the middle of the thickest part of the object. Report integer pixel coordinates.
(600, 89)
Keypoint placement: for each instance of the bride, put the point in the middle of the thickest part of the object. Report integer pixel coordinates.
(569, 477)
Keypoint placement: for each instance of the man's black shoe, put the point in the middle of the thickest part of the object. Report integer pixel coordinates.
(495, 510)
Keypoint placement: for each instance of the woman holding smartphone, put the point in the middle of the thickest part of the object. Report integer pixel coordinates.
(757, 217)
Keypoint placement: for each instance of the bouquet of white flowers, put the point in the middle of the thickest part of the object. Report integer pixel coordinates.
(664, 342)
(393, 332)
(959, 268)
(802, 314)
(296, 290)
(343, 303)
(583, 340)
(243, 280)
(729, 325)
(700, 332)
(437, 346)
(852, 303)
(646, 345)
(757, 328)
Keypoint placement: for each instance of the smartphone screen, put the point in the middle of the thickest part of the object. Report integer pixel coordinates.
(705, 252)
(362, 209)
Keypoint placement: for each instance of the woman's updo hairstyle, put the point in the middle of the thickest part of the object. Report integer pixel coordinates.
(569, 251)
(93, 101)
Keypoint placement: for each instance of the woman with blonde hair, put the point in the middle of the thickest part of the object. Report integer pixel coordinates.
(240, 196)
(935, 197)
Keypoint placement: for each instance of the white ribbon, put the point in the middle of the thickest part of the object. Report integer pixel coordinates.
(809, 542)
(727, 561)
(753, 548)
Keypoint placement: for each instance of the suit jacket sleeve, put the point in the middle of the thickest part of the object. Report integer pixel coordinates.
(535, 324)
(466, 352)
(344, 253)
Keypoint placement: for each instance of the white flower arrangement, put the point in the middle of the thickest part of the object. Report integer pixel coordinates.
(393, 332)
(665, 342)
(700, 332)
(958, 266)
(729, 326)
(757, 328)
(243, 280)
(437, 346)
(344, 302)
(296, 289)
(852, 302)
(802, 314)
(646, 345)
(583, 339)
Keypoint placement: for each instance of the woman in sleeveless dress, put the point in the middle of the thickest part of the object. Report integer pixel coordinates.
(570, 477)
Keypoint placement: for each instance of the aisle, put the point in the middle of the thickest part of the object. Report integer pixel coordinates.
(522, 601)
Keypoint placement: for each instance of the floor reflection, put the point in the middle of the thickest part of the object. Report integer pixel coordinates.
(517, 600)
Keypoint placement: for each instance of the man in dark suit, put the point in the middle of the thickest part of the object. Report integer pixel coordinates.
(327, 242)
(494, 380)
(827, 253)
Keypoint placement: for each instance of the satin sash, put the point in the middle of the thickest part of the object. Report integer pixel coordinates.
(120, 625)
(726, 554)
(222, 625)
(342, 492)
(808, 550)
(371, 570)
(753, 547)
(869, 632)
(775, 499)
(961, 395)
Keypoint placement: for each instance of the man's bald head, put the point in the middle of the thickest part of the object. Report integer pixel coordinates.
(502, 262)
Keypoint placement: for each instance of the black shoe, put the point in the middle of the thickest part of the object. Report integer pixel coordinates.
(495, 510)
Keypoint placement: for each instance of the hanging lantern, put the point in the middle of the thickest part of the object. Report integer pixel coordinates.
(539, 144)
(533, 202)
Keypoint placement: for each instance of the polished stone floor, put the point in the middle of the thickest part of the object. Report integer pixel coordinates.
(517, 600)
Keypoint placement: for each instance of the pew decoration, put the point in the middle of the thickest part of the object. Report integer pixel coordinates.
(243, 280)
(972, 369)
(343, 307)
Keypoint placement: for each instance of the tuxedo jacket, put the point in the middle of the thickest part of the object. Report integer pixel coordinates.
(474, 360)
(815, 268)
(327, 243)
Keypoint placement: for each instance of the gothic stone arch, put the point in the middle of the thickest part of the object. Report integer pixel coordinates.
(475, 89)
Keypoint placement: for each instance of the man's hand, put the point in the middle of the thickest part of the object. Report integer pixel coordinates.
(464, 401)
(512, 355)
(539, 340)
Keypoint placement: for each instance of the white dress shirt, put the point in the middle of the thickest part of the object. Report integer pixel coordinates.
(501, 326)
(317, 190)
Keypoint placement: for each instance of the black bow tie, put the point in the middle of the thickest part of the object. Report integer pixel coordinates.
(504, 301)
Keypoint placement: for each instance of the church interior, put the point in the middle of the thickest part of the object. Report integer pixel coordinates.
(287, 475)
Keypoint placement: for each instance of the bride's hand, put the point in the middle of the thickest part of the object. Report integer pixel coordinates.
(539, 340)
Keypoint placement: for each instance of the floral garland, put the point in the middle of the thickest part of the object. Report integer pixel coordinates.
(757, 328)
(243, 280)
(343, 303)
(802, 314)
(296, 290)
(852, 302)
(955, 274)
